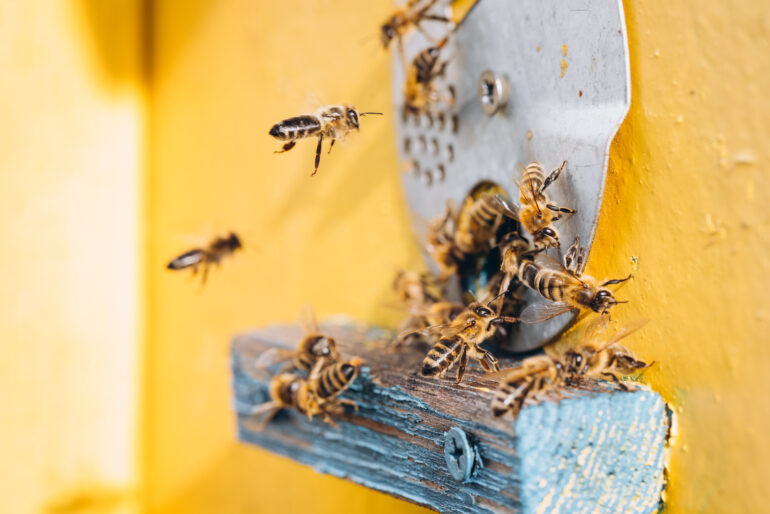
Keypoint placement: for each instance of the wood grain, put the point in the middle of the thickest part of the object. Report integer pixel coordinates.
(600, 450)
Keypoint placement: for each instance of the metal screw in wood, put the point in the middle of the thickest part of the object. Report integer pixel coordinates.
(459, 454)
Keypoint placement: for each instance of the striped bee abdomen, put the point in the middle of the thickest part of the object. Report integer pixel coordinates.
(550, 284)
(533, 178)
(334, 379)
(441, 356)
(296, 128)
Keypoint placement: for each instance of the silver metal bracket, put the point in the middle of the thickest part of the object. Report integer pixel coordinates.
(534, 80)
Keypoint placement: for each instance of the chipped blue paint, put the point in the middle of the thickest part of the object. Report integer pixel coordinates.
(597, 449)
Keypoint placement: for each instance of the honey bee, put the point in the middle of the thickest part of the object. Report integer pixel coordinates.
(420, 91)
(414, 290)
(312, 348)
(440, 244)
(315, 396)
(543, 377)
(334, 122)
(205, 257)
(401, 21)
(478, 221)
(513, 249)
(461, 339)
(565, 285)
(537, 212)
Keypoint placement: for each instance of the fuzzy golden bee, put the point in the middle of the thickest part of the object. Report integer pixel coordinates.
(415, 290)
(421, 94)
(461, 340)
(333, 122)
(203, 258)
(537, 213)
(565, 285)
(315, 396)
(514, 248)
(312, 348)
(478, 221)
(412, 15)
(543, 377)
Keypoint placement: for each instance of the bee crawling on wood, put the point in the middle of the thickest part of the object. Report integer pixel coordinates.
(461, 338)
(333, 122)
(564, 285)
(543, 377)
(318, 395)
(204, 257)
(314, 347)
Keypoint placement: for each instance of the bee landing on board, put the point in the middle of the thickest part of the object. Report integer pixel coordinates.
(461, 340)
(313, 348)
(400, 22)
(315, 396)
(542, 377)
(333, 122)
(537, 212)
(478, 222)
(421, 95)
(205, 257)
(565, 285)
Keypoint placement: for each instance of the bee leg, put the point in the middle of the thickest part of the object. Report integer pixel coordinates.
(346, 401)
(331, 146)
(318, 154)
(615, 379)
(616, 281)
(552, 177)
(489, 363)
(285, 148)
(330, 421)
(205, 274)
(556, 208)
(401, 53)
(461, 365)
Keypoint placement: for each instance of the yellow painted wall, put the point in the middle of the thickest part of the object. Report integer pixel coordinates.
(70, 146)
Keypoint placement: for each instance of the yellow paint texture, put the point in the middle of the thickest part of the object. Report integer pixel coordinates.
(70, 147)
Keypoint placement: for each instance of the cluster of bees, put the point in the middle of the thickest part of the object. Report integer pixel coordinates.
(487, 230)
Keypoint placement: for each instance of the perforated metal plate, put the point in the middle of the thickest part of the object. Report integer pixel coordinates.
(566, 63)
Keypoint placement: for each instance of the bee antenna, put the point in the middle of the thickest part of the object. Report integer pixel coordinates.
(618, 301)
(496, 297)
(365, 113)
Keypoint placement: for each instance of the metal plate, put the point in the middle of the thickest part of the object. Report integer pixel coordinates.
(566, 64)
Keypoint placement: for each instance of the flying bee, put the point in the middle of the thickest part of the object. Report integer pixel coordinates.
(312, 348)
(543, 377)
(478, 221)
(333, 122)
(204, 257)
(400, 22)
(537, 212)
(461, 339)
(315, 396)
(565, 285)
(420, 91)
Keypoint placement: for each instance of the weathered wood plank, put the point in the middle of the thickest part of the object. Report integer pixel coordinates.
(596, 451)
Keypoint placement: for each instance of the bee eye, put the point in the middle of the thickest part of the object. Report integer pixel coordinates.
(549, 232)
(578, 358)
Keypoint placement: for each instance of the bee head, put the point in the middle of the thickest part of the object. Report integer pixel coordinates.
(352, 116)
(324, 346)
(546, 237)
(603, 300)
(234, 241)
(387, 33)
(577, 361)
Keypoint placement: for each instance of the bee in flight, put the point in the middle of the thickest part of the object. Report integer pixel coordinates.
(412, 15)
(537, 213)
(205, 257)
(315, 396)
(420, 92)
(564, 285)
(543, 377)
(314, 347)
(461, 339)
(333, 122)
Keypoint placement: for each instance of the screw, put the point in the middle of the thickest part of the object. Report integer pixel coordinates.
(459, 454)
(493, 92)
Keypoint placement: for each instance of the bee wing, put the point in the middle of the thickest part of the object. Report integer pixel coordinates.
(271, 357)
(544, 260)
(261, 415)
(407, 333)
(307, 320)
(624, 332)
(595, 327)
(539, 312)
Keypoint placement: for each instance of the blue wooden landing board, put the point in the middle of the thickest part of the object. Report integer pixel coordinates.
(598, 451)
